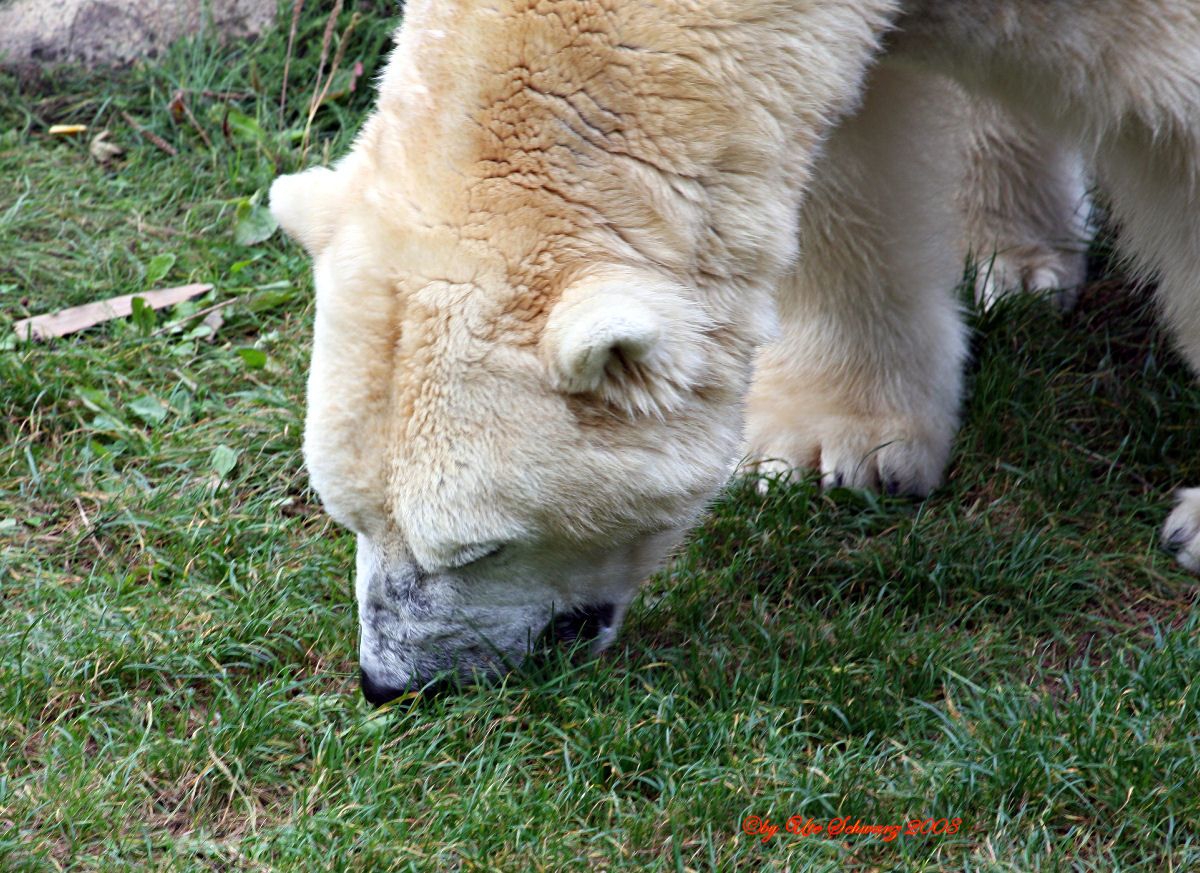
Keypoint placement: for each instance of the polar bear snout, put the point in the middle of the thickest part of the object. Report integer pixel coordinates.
(593, 626)
(378, 693)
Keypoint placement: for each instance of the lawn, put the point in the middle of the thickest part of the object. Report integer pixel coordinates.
(178, 688)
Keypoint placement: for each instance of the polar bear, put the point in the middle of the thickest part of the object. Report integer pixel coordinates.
(548, 265)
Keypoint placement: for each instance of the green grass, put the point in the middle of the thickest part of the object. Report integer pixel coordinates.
(177, 680)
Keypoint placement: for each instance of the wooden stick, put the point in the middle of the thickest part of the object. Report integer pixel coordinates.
(154, 138)
(77, 318)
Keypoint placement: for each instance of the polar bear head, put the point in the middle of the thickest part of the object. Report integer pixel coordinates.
(534, 327)
(509, 453)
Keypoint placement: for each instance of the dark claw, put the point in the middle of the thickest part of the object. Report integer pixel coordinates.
(893, 486)
(838, 480)
(1175, 540)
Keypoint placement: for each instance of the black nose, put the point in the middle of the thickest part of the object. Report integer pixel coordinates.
(379, 693)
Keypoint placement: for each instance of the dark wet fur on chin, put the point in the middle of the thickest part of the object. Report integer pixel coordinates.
(439, 673)
(579, 625)
(378, 694)
(583, 623)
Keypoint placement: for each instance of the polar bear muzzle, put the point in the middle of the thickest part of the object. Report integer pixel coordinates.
(593, 626)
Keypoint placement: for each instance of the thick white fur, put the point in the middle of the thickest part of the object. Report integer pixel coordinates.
(1025, 201)
(542, 275)
(639, 345)
(545, 268)
(1119, 83)
(864, 381)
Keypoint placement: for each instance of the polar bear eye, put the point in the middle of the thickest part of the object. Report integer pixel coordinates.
(473, 554)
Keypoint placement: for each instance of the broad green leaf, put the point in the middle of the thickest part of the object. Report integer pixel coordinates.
(158, 267)
(200, 331)
(95, 400)
(143, 316)
(223, 460)
(255, 358)
(238, 266)
(105, 423)
(235, 123)
(149, 409)
(242, 126)
(255, 223)
(273, 299)
(186, 309)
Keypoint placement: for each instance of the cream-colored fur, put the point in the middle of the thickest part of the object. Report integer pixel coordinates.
(542, 277)
(1024, 197)
(546, 266)
(864, 381)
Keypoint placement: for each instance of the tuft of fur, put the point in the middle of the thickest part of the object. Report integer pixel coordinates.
(640, 346)
(308, 206)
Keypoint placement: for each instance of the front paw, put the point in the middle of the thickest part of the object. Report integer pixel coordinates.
(1181, 533)
(1030, 269)
(883, 453)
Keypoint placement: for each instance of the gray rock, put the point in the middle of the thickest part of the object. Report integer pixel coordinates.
(114, 32)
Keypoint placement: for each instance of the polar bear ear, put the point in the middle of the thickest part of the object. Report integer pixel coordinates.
(308, 206)
(637, 343)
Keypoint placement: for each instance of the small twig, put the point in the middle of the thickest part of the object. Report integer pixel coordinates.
(73, 319)
(322, 88)
(208, 310)
(326, 40)
(178, 100)
(297, 5)
(338, 56)
(154, 138)
(1113, 463)
(228, 95)
(200, 130)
